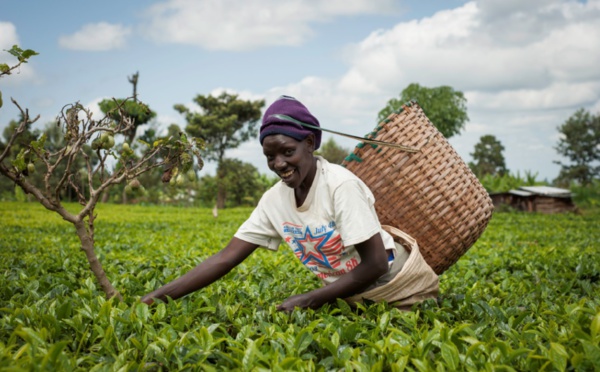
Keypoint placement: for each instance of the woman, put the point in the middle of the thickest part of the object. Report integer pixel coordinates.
(323, 212)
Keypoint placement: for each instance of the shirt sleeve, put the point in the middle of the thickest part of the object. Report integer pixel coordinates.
(355, 215)
(258, 229)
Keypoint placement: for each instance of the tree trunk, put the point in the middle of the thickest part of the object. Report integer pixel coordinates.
(87, 246)
(221, 192)
(221, 195)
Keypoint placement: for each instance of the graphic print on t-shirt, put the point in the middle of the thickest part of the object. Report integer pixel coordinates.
(319, 248)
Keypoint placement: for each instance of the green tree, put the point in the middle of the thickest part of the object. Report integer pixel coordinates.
(137, 111)
(7, 187)
(444, 106)
(333, 152)
(154, 190)
(580, 143)
(224, 123)
(24, 139)
(242, 182)
(488, 157)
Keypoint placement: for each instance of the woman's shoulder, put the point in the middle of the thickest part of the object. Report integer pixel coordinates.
(276, 192)
(335, 173)
(336, 178)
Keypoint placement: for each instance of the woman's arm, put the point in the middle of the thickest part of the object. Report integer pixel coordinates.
(373, 264)
(205, 273)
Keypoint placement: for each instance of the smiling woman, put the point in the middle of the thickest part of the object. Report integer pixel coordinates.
(326, 215)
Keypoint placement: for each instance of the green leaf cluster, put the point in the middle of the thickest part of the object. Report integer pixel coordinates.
(444, 106)
(21, 55)
(525, 297)
(509, 181)
(580, 143)
(333, 152)
(488, 158)
(137, 111)
(224, 122)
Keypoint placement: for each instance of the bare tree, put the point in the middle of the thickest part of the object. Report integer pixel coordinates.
(103, 166)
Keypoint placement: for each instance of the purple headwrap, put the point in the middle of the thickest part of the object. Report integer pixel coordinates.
(286, 116)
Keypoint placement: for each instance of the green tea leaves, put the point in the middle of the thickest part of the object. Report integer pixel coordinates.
(524, 298)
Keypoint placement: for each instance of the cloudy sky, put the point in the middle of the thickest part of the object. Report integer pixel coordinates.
(524, 66)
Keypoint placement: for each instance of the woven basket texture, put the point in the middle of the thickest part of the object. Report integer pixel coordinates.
(432, 195)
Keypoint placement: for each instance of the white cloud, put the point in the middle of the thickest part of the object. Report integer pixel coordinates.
(556, 95)
(96, 37)
(460, 48)
(94, 108)
(249, 24)
(525, 67)
(244, 94)
(8, 36)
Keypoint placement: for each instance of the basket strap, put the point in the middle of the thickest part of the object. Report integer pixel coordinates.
(401, 234)
(366, 140)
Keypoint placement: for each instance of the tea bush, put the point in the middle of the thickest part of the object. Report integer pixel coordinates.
(525, 297)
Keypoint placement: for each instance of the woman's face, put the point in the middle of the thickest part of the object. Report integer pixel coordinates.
(292, 160)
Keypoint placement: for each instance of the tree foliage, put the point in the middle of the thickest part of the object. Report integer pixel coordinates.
(224, 123)
(580, 143)
(444, 106)
(138, 112)
(21, 55)
(332, 152)
(509, 181)
(7, 187)
(242, 182)
(488, 157)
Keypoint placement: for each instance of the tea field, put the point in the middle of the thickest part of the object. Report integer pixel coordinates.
(525, 297)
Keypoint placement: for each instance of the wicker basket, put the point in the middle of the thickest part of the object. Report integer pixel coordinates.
(432, 195)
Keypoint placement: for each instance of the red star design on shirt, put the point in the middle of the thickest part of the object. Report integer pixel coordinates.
(310, 249)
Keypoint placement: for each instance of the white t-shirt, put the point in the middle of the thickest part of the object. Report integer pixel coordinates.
(337, 214)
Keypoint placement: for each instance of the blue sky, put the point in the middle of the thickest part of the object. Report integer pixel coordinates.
(524, 66)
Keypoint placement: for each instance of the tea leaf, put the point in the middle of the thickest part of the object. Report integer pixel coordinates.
(450, 355)
(558, 356)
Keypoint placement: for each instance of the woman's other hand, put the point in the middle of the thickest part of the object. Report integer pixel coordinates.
(303, 301)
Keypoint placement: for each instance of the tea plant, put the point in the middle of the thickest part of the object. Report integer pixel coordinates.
(525, 297)
(87, 163)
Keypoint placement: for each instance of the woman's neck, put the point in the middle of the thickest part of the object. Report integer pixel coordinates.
(301, 192)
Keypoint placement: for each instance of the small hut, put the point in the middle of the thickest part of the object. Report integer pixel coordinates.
(541, 199)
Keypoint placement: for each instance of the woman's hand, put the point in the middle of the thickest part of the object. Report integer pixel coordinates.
(373, 265)
(205, 273)
(303, 301)
(147, 300)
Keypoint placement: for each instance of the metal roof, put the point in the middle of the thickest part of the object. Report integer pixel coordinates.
(520, 192)
(546, 191)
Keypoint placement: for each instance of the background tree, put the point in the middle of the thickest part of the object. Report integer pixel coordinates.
(224, 123)
(6, 186)
(444, 106)
(580, 143)
(138, 112)
(332, 152)
(243, 184)
(154, 191)
(488, 157)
